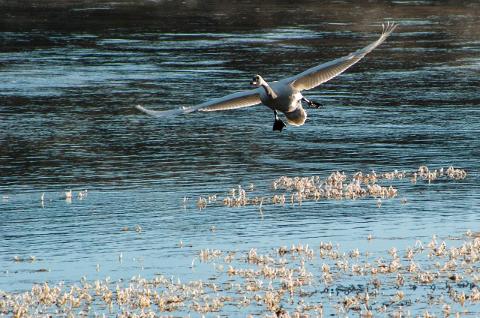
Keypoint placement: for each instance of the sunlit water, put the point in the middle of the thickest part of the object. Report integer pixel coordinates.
(67, 121)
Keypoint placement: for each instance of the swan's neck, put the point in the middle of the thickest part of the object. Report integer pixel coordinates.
(270, 93)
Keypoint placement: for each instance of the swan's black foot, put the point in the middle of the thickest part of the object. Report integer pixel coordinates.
(278, 124)
(312, 103)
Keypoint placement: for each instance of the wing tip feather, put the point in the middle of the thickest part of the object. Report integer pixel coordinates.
(165, 113)
(388, 28)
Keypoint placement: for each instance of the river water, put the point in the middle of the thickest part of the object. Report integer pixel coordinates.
(71, 73)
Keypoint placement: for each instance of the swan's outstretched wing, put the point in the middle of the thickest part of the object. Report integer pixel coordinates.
(326, 71)
(232, 101)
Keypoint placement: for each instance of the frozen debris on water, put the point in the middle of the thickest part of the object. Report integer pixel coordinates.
(82, 194)
(336, 186)
(201, 203)
(432, 175)
(68, 195)
(296, 281)
(208, 254)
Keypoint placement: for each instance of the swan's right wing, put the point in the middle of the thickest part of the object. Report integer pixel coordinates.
(326, 71)
(232, 101)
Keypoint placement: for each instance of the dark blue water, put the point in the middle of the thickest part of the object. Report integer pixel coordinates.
(67, 121)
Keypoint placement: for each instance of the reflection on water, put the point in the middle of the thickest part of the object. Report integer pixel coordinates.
(67, 121)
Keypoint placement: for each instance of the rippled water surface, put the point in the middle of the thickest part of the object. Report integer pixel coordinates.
(71, 74)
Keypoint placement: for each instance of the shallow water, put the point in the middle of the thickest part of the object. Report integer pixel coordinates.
(67, 121)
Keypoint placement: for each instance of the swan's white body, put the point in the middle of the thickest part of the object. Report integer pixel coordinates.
(283, 95)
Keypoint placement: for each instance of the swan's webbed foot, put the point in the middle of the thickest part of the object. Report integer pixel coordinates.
(312, 103)
(278, 124)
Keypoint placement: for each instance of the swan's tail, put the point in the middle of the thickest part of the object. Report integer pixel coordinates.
(166, 113)
(296, 117)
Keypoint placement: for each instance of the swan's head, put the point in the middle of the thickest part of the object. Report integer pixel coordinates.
(257, 81)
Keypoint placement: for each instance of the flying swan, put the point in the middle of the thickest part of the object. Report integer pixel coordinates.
(283, 95)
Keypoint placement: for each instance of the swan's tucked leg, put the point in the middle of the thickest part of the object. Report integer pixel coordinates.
(311, 103)
(278, 124)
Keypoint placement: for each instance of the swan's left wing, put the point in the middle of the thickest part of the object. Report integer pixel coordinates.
(232, 101)
(326, 71)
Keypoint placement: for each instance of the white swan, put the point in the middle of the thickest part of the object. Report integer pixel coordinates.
(283, 95)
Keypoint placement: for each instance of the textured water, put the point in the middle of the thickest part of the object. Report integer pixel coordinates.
(72, 72)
